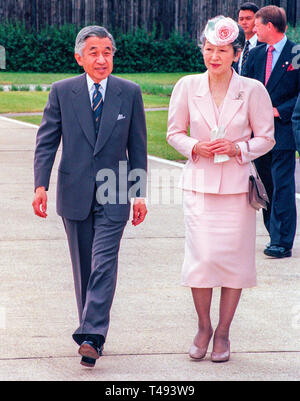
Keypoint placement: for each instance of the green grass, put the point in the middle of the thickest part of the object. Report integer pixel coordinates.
(26, 102)
(21, 102)
(151, 83)
(30, 119)
(157, 129)
(156, 88)
(155, 101)
(26, 78)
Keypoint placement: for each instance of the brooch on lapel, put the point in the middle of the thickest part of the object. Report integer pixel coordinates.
(239, 96)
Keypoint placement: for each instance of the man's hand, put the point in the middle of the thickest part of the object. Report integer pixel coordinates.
(39, 203)
(139, 211)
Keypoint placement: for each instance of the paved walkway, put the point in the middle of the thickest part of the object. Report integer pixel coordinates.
(153, 319)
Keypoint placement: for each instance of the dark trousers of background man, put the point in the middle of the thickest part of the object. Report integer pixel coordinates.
(277, 171)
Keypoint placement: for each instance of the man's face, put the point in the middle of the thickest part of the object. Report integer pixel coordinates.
(96, 58)
(263, 31)
(247, 20)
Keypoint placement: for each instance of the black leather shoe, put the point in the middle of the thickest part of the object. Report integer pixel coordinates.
(90, 353)
(90, 362)
(278, 252)
(87, 362)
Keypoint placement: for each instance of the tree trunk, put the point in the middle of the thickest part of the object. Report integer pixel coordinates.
(184, 16)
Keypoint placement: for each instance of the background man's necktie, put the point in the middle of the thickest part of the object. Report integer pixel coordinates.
(97, 107)
(245, 57)
(269, 64)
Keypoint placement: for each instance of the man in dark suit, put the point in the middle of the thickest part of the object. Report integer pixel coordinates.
(272, 64)
(296, 123)
(101, 122)
(246, 19)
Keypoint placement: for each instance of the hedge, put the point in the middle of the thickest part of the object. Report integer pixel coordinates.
(52, 50)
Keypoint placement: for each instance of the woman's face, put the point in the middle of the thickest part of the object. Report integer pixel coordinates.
(218, 59)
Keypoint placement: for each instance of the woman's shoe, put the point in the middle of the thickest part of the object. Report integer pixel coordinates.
(221, 356)
(199, 353)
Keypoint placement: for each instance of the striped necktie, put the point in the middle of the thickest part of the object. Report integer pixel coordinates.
(269, 64)
(97, 106)
(245, 57)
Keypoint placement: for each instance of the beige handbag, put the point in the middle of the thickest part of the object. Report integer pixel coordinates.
(258, 197)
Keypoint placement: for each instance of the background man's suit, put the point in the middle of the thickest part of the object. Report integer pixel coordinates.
(296, 124)
(236, 64)
(277, 168)
(94, 231)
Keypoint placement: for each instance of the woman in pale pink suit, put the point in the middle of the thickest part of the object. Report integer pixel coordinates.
(221, 109)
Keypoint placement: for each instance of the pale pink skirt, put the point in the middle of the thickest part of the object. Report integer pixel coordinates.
(220, 241)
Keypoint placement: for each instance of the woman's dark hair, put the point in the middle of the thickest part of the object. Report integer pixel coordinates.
(239, 42)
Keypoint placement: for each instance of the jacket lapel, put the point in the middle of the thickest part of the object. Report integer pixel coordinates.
(110, 112)
(261, 62)
(232, 102)
(83, 110)
(204, 103)
(280, 67)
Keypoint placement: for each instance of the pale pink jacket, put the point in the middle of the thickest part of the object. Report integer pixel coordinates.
(247, 107)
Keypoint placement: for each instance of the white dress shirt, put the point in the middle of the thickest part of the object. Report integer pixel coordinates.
(253, 43)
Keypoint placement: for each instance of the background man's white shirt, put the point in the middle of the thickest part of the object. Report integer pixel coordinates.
(253, 43)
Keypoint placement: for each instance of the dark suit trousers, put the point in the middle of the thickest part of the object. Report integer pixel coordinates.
(94, 246)
(277, 171)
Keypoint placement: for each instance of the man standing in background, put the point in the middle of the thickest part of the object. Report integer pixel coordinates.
(296, 124)
(246, 20)
(272, 64)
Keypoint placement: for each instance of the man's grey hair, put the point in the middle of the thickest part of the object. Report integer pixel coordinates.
(92, 31)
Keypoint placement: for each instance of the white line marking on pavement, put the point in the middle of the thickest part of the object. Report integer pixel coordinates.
(164, 161)
(19, 122)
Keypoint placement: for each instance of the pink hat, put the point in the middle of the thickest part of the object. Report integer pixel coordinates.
(221, 31)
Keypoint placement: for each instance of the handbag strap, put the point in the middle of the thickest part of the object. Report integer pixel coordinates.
(251, 163)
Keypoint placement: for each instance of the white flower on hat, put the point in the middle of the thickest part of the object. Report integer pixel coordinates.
(221, 31)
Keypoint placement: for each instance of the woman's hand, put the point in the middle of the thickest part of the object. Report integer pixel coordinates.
(203, 149)
(224, 147)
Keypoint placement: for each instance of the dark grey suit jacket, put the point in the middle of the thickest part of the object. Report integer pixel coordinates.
(122, 138)
(236, 65)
